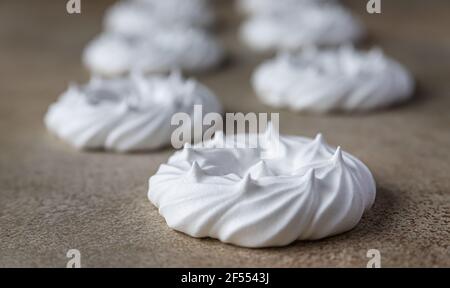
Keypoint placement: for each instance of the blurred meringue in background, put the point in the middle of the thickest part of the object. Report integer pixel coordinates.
(187, 49)
(251, 7)
(333, 79)
(126, 114)
(300, 26)
(141, 17)
(155, 36)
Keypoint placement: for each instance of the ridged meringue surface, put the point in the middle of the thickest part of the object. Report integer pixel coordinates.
(160, 51)
(335, 79)
(306, 190)
(293, 29)
(142, 17)
(126, 114)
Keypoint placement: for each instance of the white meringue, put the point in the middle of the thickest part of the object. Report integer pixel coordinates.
(323, 25)
(271, 6)
(326, 80)
(142, 17)
(160, 51)
(307, 191)
(126, 114)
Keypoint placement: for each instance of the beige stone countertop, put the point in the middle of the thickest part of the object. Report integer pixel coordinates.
(54, 198)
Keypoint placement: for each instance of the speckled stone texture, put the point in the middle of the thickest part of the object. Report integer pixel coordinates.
(53, 198)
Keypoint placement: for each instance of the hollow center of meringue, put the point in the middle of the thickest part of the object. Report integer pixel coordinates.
(291, 158)
(138, 92)
(343, 62)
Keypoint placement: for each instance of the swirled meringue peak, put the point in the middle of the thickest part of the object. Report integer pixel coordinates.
(126, 114)
(336, 79)
(293, 29)
(142, 17)
(306, 190)
(160, 51)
